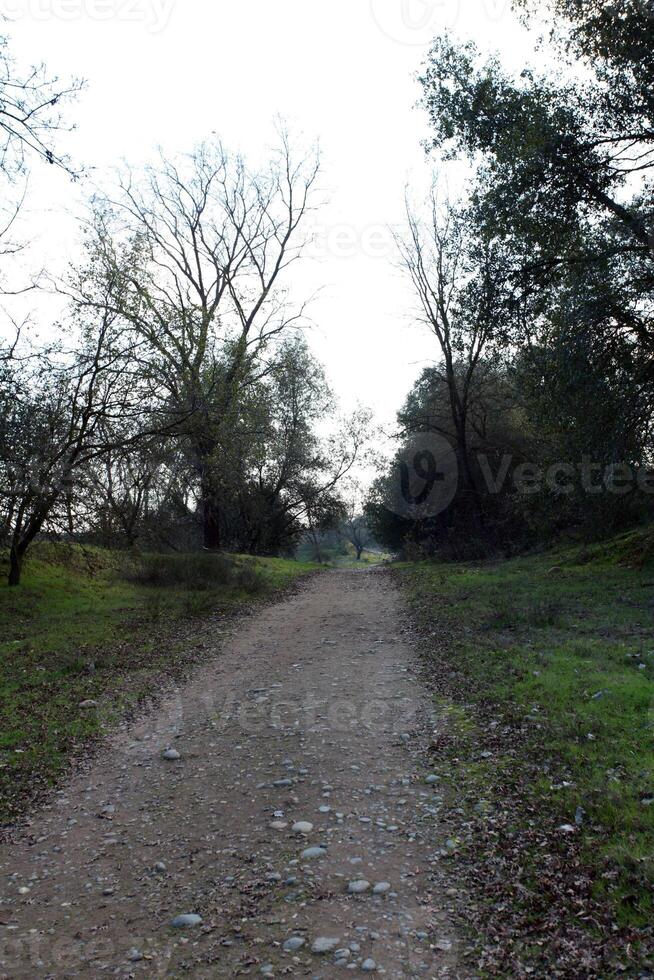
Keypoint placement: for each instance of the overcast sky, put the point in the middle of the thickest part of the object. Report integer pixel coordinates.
(169, 72)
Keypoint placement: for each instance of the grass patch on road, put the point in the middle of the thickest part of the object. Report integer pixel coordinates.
(94, 625)
(552, 658)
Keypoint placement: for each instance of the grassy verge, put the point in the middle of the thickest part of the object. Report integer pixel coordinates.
(367, 560)
(89, 625)
(548, 664)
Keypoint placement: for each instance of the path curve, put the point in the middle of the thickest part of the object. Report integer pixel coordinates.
(312, 712)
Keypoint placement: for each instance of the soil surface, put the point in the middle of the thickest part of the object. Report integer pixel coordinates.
(311, 712)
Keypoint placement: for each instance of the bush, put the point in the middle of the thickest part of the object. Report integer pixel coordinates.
(198, 572)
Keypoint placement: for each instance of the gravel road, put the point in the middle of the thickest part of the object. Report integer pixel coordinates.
(298, 826)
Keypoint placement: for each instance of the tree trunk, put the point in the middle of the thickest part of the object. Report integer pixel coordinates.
(359, 550)
(15, 565)
(316, 546)
(210, 523)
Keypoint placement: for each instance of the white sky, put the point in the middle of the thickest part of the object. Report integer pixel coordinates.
(169, 72)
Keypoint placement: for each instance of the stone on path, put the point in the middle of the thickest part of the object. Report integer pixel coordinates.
(358, 887)
(186, 921)
(294, 943)
(314, 852)
(171, 754)
(302, 827)
(324, 944)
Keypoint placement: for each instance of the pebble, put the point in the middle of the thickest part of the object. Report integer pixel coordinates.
(369, 965)
(171, 754)
(381, 887)
(324, 944)
(358, 886)
(266, 970)
(186, 920)
(160, 867)
(302, 827)
(430, 780)
(281, 783)
(314, 852)
(294, 943)
(135, 956)
(87, 705)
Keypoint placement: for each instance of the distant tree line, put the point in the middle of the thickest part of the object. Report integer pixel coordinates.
(539, 291)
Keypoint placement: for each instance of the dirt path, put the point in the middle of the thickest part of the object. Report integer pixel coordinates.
(312, 713)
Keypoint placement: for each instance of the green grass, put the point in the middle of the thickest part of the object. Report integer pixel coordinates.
(77, 630)
(367, 559)
(342, 555)
(559, 649)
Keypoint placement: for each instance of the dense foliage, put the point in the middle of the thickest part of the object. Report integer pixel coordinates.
(561, 205)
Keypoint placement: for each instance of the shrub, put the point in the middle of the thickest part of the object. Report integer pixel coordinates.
(198, 572)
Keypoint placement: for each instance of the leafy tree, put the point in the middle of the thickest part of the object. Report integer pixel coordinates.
(564, 166)
(279, 476)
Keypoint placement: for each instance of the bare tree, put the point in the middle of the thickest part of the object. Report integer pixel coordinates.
(193, 254)
(32, 116)
(52, 427)
(458, 281)
(354, 525)
(32, 107)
